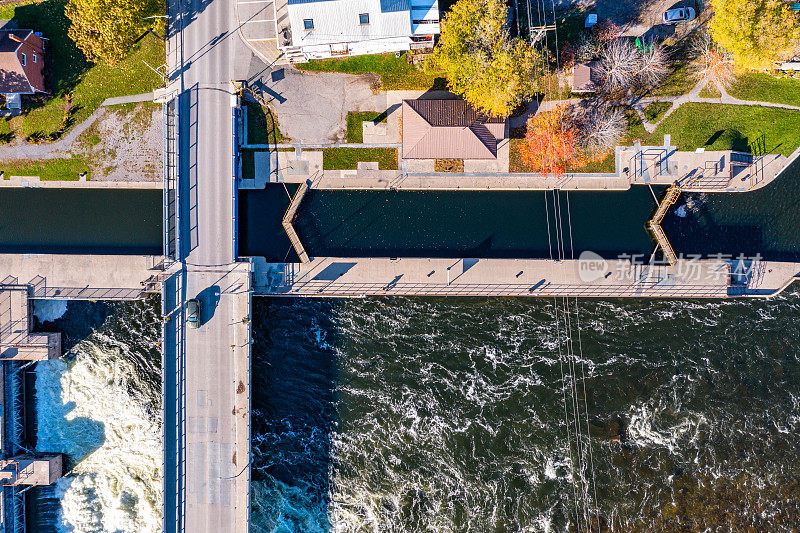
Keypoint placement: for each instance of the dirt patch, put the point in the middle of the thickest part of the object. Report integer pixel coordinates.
(126, 144)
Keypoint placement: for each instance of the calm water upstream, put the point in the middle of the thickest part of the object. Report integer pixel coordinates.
(77, 221)
(521, 224)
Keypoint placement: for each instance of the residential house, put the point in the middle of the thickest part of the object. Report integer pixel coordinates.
(330, 28)
(21, 64)
(449, 129)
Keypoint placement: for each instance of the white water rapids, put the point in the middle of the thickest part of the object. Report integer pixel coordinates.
(90, 407)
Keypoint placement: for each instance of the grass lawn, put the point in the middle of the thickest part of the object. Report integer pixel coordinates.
(731, 127)
(395, 73)
(348, 158)
(47, 169)
(5, 131)
(655, 110)
(68, 71)
(355, 131)
(710, 91)
(262, 126)
(678, 82)
(766, 88)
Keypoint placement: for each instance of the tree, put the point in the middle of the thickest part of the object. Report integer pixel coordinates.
(711, 62)
(599, 129)
(653, 66)
(481, 62)
(620, 65)
(551, 142)
(105, 30)
(625, 67)
(755, 32)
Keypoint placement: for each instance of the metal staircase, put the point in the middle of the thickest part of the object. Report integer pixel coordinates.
(655, 223)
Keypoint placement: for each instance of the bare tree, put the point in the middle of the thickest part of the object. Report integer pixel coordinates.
(600, 128)
(620, 65)
(654, 65)
(711, 62)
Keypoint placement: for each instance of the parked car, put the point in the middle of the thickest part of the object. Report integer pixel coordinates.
(682, 14)
(193, 313)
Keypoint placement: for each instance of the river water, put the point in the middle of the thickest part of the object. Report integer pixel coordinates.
(423, 414)
(447, 415)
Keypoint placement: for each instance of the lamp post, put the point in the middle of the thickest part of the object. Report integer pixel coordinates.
(448, 276)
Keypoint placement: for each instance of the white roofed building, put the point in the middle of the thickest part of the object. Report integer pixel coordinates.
(331, 28)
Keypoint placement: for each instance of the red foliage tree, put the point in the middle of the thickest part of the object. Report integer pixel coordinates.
(551, 142)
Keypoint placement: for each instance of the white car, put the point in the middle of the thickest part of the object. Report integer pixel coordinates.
(683, 14)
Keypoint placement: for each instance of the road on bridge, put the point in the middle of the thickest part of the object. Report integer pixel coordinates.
(206, 370)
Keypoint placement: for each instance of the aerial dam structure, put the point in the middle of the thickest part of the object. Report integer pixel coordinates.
(218, 240)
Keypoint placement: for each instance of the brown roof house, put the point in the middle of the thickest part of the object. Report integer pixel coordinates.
(587, 77)
(449, 129)
(21, 64)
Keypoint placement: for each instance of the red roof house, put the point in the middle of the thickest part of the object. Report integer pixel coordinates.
(21, 62)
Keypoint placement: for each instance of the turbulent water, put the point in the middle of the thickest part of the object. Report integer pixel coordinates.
(100, 405)
(448, 415)
(395, 415)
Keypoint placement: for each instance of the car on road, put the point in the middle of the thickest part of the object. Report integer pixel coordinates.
(193, 313)
(681, 14)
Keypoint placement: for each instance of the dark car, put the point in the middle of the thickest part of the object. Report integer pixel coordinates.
(193, 313)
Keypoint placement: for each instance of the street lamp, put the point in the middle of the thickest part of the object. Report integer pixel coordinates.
(448, 276)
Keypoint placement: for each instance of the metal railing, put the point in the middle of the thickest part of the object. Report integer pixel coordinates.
(171, 199)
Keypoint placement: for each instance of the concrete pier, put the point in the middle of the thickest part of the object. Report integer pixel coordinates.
(86, 277)
(592, 278)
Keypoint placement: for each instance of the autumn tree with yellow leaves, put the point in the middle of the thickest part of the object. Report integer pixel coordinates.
(492, 71)
(106, 30)
(755, 32)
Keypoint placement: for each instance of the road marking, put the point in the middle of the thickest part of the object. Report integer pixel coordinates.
(261, 20)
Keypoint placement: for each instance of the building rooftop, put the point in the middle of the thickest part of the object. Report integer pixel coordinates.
(449, 129)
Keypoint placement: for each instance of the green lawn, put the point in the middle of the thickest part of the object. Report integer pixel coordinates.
(47, 169)
(678, 82)
(70, 72)
(355, 130)
(347, 158)
(262, 126)
(656, 110)
(731, 127)
(395, 73)
(763, 87)
(248, 164)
